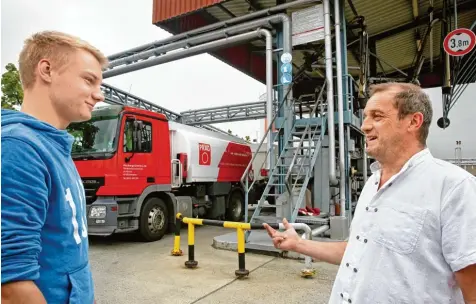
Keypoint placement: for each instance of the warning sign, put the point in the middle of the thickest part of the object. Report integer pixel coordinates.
(204, 154)
(308, 25)
(459, 42)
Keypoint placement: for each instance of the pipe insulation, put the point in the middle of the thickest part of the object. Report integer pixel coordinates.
(340, 109)
(330, 94)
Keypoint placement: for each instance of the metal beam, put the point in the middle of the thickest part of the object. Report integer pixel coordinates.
(227, 11)
(254, 5)
(117, 96)
(229, 113)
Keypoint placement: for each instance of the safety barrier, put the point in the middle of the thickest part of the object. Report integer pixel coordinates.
(241, 272)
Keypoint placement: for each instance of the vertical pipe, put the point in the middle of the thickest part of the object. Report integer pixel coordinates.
(240, 236)
(456, 14)
(287, 90)
(178, 225)
(340, 110)
(191, 263)
(281, 142)
(330, 93)
(288, 109)
(269, 92)
(247, 194)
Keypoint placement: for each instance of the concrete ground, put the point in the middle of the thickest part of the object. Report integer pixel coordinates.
(127, 271)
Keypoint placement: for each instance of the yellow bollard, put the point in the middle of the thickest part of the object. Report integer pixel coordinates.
(178, 225)
(191, 263)
(240, 236)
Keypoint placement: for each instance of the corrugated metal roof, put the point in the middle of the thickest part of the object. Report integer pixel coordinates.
(396, 51)
(166, 9)
(382, 16)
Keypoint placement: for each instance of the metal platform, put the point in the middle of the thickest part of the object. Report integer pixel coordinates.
(258, 240)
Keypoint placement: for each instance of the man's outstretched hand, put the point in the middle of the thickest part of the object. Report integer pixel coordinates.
(286, 240)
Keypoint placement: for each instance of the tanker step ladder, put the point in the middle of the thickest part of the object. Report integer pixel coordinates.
(289, 177)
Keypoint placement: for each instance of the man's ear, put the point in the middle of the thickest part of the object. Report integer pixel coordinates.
(44, 70)
(416, 121)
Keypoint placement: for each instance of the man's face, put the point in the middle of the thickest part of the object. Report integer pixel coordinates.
(383, 129)
(75, 87)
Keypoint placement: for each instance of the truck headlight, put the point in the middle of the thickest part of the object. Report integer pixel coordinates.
(97, 212)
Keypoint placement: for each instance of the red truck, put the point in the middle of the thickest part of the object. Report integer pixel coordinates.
(139, 169)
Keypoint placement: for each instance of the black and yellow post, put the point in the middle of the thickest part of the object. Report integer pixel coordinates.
(191, 263)
(178, 226)
(240, 237)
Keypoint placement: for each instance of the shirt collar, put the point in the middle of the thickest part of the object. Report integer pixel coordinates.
(414, 160)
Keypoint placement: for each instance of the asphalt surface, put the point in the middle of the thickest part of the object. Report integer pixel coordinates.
(128, 271)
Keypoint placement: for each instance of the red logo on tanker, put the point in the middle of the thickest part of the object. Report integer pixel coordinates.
(204, 154)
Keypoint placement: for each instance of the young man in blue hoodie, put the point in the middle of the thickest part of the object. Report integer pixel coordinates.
(44, 232)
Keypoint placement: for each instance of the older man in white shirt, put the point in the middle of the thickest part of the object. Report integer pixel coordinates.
(413, 236)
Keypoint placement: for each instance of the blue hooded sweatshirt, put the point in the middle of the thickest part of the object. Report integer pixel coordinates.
(44, 232)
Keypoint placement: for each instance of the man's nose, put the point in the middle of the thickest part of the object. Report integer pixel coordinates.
(366, 126)
(98, 96)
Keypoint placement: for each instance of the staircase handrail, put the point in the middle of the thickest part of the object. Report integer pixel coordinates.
(317, 103)
(244, 177)
(316, 151)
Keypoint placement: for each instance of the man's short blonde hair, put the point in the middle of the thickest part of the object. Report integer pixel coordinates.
(56, 47)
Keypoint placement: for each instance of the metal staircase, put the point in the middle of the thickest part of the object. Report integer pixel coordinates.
(290, 176)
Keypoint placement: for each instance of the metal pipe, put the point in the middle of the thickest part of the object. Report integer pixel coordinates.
(219, 34)
(269, 93)
(330, 94)
(307, 235)
(340, 109)
(203, 48)
(456, 13)
(210, 27)
(320, 230)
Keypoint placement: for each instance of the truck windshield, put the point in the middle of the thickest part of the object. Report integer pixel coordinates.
(97, 135)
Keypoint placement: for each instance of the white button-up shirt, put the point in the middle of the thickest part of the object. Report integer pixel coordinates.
(408, 238)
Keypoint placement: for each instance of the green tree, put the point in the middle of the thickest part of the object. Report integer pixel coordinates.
(248, 138)
(11, 88)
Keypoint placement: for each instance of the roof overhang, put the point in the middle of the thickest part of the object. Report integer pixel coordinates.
(395, 29)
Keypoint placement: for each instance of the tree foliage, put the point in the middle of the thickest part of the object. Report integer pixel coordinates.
(11, 88)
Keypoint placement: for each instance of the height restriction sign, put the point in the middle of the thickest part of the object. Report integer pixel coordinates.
(459, 42)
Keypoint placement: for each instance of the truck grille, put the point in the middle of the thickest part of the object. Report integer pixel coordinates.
(91, 186)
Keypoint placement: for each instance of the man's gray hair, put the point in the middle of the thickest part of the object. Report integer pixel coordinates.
(409, 99)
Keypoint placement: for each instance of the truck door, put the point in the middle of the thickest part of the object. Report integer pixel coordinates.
(138, 169)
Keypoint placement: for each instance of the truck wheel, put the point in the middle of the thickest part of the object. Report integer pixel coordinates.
(153, 220)
(236, 205)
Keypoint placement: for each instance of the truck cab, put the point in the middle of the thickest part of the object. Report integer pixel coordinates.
(113, 155)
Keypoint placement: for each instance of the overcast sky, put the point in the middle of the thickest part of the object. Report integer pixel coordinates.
(196, 82)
